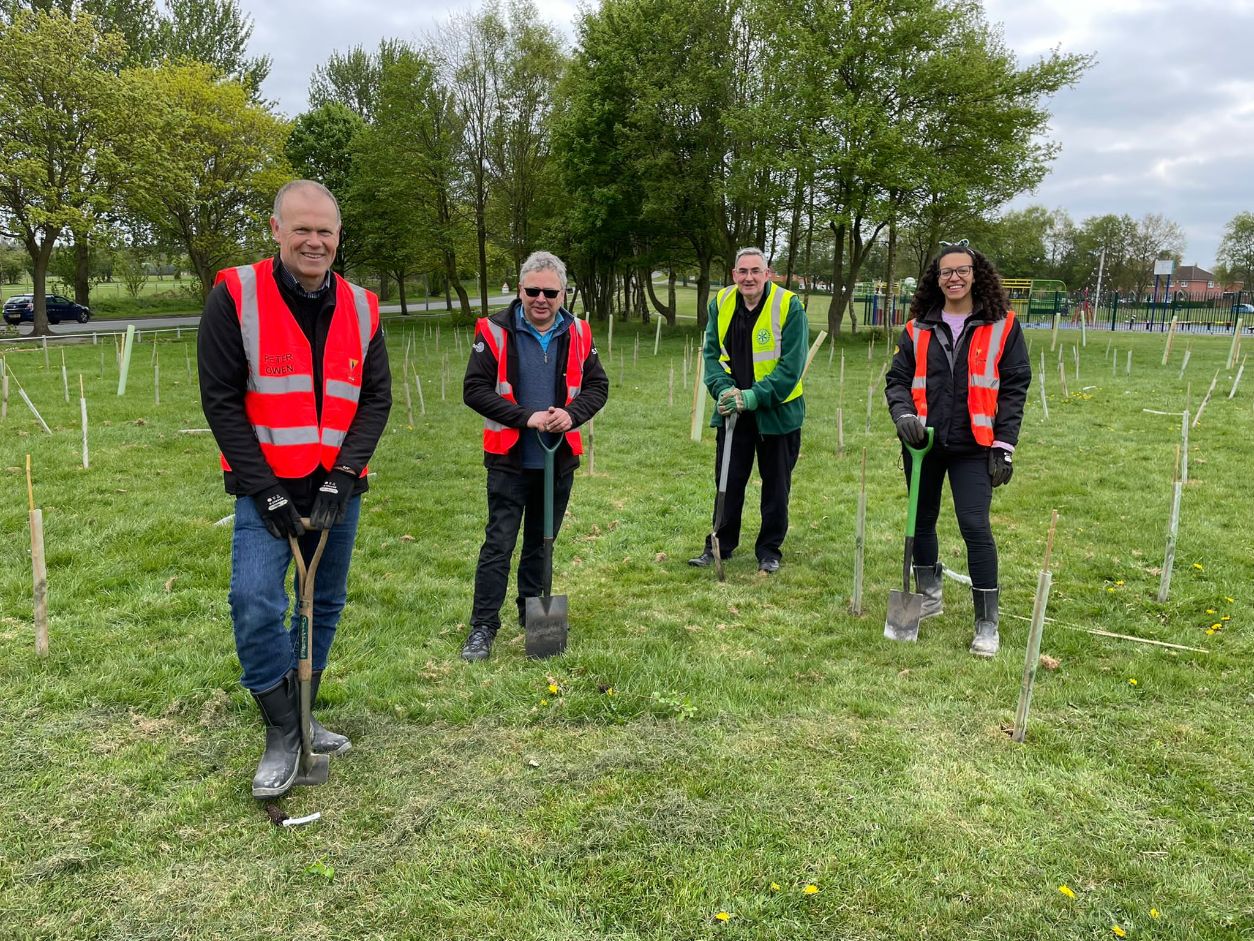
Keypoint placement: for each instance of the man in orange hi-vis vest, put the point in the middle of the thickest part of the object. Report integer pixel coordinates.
(532, 370)
(294, 382)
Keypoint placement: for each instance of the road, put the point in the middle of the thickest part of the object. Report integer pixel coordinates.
(431, 309)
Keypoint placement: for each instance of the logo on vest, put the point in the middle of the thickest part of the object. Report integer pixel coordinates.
(764, 337)
(278, 364)
(352, 369)
(479, 347)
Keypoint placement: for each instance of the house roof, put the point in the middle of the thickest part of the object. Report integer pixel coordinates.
(1193, 273)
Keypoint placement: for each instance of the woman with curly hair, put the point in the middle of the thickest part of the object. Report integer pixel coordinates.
(961, 368)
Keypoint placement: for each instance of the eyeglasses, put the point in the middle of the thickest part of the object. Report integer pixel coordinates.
(962, 271)
(745, 272)
(550, 293)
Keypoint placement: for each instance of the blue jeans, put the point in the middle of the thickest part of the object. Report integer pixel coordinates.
(266, 639)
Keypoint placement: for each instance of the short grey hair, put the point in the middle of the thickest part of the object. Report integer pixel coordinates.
(543, 261)
(301, 185)
(751, 250)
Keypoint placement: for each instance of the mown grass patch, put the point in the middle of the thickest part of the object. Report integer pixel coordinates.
(705, 742)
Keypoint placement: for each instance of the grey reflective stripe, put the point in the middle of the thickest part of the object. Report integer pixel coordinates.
(498, 335)
(250, 332)
(343, 390)
(777, 329)
(491, 425)
(919, 382)
(982, 421)
(988, 379)
(303, 434)
(332, 437)
(571, 392)
(504, 388)
(362, 303)
(722, 296)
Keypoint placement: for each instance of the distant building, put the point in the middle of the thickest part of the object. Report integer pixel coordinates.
(1197, 284)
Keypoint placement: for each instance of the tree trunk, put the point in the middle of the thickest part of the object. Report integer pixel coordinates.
(794, 232)
(664, 310)
(890, 296)
(703, 289)
(836, 308)
(400, 283)
(82, 270)
(481, 234)
(40, 255)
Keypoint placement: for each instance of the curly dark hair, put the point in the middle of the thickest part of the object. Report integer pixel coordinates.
(987, 294)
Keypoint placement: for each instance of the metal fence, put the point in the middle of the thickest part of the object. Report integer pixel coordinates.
(1217, 314)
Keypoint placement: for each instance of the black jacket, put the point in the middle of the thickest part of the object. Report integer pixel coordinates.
(479, 391)
(224, 377)
(947, 410)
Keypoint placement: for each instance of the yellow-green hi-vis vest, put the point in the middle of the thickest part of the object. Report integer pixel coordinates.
(768, 332)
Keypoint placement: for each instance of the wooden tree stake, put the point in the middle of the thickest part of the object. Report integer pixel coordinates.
(1206, 398)
(65, 379)
(1173, 527)
(657, 335)
(698, 409)
(859, 543)
(82, 411)
(1237, 380)
(1033, 655)
(39, 569)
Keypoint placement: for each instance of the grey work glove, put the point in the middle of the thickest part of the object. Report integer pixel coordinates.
(911, 430)
(737, 400)
(1000, 467)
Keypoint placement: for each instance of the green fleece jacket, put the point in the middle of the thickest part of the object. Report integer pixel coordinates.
(773, 415)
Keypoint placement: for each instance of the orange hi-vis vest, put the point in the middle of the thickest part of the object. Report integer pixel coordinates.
(984, 350)
(498, 438)
(279, 401)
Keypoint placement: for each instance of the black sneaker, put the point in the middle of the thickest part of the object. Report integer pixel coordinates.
(704, 560)
(478, 645)
(769, 566)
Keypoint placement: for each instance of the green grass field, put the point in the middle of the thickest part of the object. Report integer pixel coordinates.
(749, 749)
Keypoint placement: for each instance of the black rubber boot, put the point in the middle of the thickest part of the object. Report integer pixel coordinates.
(986, 642)
(325, 742)
(279, 764)
(927, 582)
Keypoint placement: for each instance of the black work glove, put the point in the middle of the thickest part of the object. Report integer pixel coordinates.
(331, 504)
(278, 513)
(1000, 467)
(911, 430)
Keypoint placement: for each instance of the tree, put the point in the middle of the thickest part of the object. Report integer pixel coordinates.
(1236, 249)
(218, 161)
(215, 32)
(320, 147)
(1154, 237)
(63, 125)
(352, 78)
(410, 188)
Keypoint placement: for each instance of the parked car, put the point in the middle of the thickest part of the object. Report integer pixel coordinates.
(21, 307)
(1243, 308)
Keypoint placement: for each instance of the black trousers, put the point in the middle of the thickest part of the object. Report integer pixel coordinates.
(777, 456)
(514, 499)
(972, 490)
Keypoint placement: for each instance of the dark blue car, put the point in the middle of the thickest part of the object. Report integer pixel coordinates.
(21, 307)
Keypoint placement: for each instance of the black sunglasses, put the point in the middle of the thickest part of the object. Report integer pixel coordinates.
(550, 293)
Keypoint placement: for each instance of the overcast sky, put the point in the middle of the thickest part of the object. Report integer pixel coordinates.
(1164, 122)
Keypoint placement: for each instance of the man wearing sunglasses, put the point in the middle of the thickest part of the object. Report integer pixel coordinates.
(533, 370)
(755, 352)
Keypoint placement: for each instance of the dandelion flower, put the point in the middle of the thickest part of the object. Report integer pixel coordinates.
(1216, 626)
(1132, 681)
(1226, 617)
(1119, 932)
(543, 701)
(1210, 611)
(1155, 913)
(1198, 566)
(553, 689)
(1210, 631)
(1119, 581)
(774, 886)
(1111, 590)
(1066, 890)
(1229, 600)
(610, 691)
(723, 916)
(811, 889)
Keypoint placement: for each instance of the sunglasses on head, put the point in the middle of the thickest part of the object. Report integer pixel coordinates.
(550, 293)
